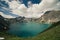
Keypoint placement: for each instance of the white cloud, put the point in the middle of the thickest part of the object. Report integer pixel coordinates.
(34, 10)
(6, 16)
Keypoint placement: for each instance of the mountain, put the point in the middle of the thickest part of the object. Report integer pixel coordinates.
(50, 17)
(3, 23)
(16, 20)
(21, 19)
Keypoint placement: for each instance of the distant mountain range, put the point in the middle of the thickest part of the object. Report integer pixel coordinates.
(48, 17)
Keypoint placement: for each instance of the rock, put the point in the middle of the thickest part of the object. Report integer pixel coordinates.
(3, 23)
(50, 17)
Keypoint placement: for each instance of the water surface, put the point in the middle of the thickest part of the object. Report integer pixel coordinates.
(27, 29)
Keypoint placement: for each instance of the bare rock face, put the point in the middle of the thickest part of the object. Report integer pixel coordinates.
(50, 17)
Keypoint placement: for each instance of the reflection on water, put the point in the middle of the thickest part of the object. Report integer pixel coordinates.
(27, 29)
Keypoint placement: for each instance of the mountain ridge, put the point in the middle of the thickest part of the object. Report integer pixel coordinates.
(50, 17)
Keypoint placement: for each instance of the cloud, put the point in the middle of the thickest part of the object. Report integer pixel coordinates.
(6, 16)
(33, 10)
(48, 4)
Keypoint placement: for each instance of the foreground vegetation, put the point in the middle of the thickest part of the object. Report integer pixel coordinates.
(52, 33)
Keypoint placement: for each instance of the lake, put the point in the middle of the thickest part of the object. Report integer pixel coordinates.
(27, 29)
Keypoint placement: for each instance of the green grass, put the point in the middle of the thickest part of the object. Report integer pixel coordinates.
(50, 34)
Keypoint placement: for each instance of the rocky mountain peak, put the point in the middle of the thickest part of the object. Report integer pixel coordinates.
(50, 17)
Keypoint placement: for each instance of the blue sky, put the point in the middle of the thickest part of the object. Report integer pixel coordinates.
(23, 1)
(33, 1)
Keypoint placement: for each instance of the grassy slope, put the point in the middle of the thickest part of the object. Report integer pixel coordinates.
(50, 34)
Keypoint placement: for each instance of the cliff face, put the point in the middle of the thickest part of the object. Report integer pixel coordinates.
(3, 23)
(50, 17)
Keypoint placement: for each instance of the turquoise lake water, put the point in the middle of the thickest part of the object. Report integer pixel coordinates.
(27, 29)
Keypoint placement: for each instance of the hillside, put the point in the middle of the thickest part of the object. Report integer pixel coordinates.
(3, 23)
